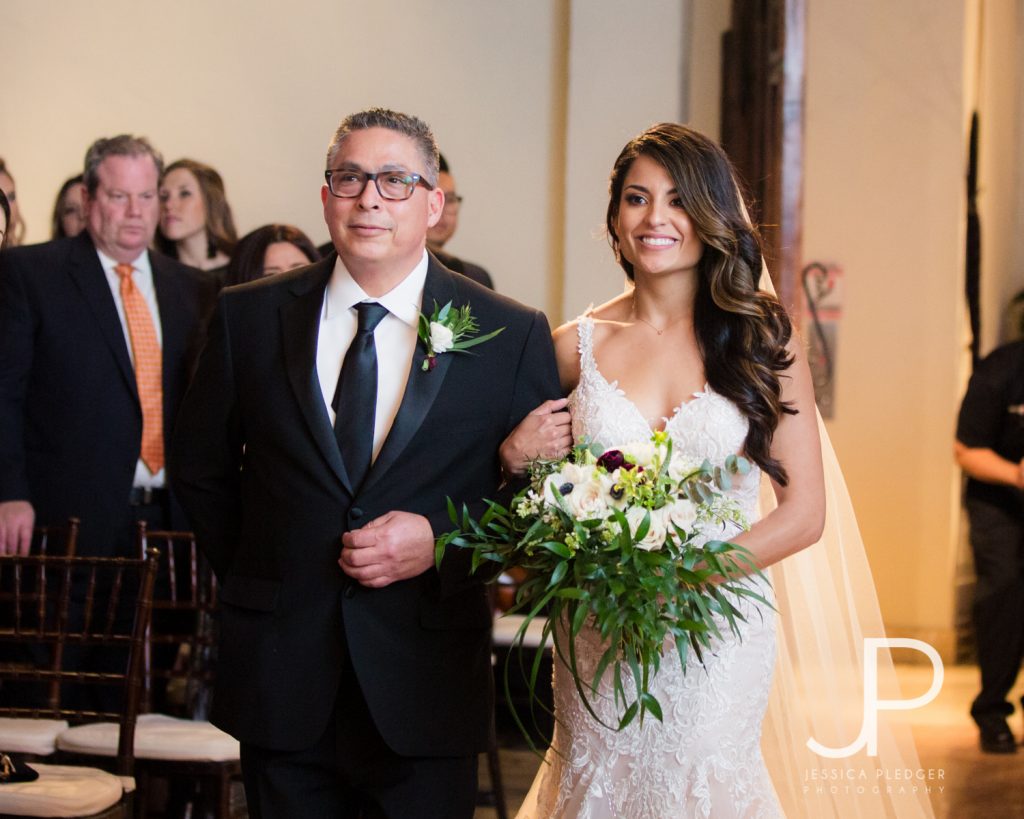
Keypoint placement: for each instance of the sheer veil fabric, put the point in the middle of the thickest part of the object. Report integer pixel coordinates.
(827, 608)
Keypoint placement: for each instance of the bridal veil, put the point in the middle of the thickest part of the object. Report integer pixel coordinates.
(828, 611)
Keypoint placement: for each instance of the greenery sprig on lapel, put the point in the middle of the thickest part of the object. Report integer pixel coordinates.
(449, 330)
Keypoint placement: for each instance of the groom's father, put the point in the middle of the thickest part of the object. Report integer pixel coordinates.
(358, 686)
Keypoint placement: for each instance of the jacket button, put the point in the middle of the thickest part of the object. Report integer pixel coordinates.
(355, 513)
(350, 590)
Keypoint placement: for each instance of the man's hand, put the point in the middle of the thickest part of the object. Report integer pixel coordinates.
(544, 433)
(395, 546)
(16, 521)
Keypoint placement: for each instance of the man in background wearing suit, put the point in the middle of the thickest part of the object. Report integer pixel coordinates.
(439, 234)
(314, 455)
(97, 338)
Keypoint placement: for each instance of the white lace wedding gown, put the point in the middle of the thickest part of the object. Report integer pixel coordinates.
(704, 760)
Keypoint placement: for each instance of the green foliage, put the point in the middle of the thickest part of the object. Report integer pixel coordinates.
(592, 568)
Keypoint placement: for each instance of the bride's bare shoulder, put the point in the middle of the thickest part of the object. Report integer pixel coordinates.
(566, 354)
(606, 317)
(611, 317)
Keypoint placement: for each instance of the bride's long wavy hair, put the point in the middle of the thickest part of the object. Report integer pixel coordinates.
(741, 331)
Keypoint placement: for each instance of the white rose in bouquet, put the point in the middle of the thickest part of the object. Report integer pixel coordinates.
(589, 500)
(679, 467)
(682, 513)
(441, 338)
(658, 531)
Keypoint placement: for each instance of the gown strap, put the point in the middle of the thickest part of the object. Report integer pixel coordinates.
(585, 333)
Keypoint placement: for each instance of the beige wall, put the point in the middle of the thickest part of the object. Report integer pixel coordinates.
(626, 72)
(998, 93)
(707, 22)
(257, 88)
(886, 141)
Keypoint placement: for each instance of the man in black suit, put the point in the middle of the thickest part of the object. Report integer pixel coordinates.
(359, 685)
(74, 438)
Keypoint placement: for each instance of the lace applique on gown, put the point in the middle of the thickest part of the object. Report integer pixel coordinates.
(705, 759)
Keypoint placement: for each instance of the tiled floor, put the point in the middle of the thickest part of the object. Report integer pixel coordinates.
(976, 785)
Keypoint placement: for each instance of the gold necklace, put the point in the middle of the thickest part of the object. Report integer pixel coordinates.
(638, 317)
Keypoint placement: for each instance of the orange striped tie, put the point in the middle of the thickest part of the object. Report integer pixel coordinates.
(148, 368)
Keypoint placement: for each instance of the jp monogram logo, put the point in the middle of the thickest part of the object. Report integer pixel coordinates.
(872, 705)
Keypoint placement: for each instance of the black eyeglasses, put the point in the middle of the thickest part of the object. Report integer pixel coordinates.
(348, 184)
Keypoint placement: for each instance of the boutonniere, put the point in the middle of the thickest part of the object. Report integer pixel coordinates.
(449, 330)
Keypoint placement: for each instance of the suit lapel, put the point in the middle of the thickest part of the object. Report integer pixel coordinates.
(300, 327)
(87, 273)
(422, 387)
(168, 298)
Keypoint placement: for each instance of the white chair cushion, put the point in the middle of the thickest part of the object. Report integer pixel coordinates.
(506, 626)
(61, 790)
(30, 736)
(157, 736)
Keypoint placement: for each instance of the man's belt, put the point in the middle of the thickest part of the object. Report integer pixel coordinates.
(146, 496)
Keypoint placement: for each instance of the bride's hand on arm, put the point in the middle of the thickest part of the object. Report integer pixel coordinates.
(547, 431)
(798, 520)
(544, 433)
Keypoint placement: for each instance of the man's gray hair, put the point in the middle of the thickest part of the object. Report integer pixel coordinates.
(406, 124)
(120, 145)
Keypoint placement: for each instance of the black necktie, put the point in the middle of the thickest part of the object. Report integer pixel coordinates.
(355, 400)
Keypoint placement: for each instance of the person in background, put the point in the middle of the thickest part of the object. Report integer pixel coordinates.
(990, 449)
(15, 224)
(440, 233)
(268, 250)
(196, 225)
(69, 209)
(5, 218)
(97, 339)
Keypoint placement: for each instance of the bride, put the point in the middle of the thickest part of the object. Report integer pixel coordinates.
(696, 349)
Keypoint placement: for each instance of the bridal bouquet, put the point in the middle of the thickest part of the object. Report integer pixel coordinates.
(620, 540)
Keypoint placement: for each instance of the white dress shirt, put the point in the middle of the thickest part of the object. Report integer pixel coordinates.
(143, 278)
(395, 340)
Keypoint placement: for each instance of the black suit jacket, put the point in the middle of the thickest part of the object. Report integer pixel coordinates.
(70, 418)
(467, 269)
(258, 469)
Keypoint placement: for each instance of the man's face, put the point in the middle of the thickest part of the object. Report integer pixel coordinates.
(376, 236)
(124, 210)
(440, 233)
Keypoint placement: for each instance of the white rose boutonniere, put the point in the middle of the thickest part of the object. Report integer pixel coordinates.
(441, 338)
(449, 330)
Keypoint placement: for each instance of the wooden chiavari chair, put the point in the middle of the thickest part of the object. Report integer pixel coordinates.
(55, 602)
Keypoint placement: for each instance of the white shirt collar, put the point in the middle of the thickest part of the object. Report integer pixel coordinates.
(141, 263)
(403, 301)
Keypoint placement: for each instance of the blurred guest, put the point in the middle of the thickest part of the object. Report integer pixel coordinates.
(440, 233)
(69, 209)
(97, 339)
(5, 218)
(268, 250)
(15, 224)
(990, 449)
(196, 226)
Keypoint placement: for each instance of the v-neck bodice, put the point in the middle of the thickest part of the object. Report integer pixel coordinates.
(708, 425)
